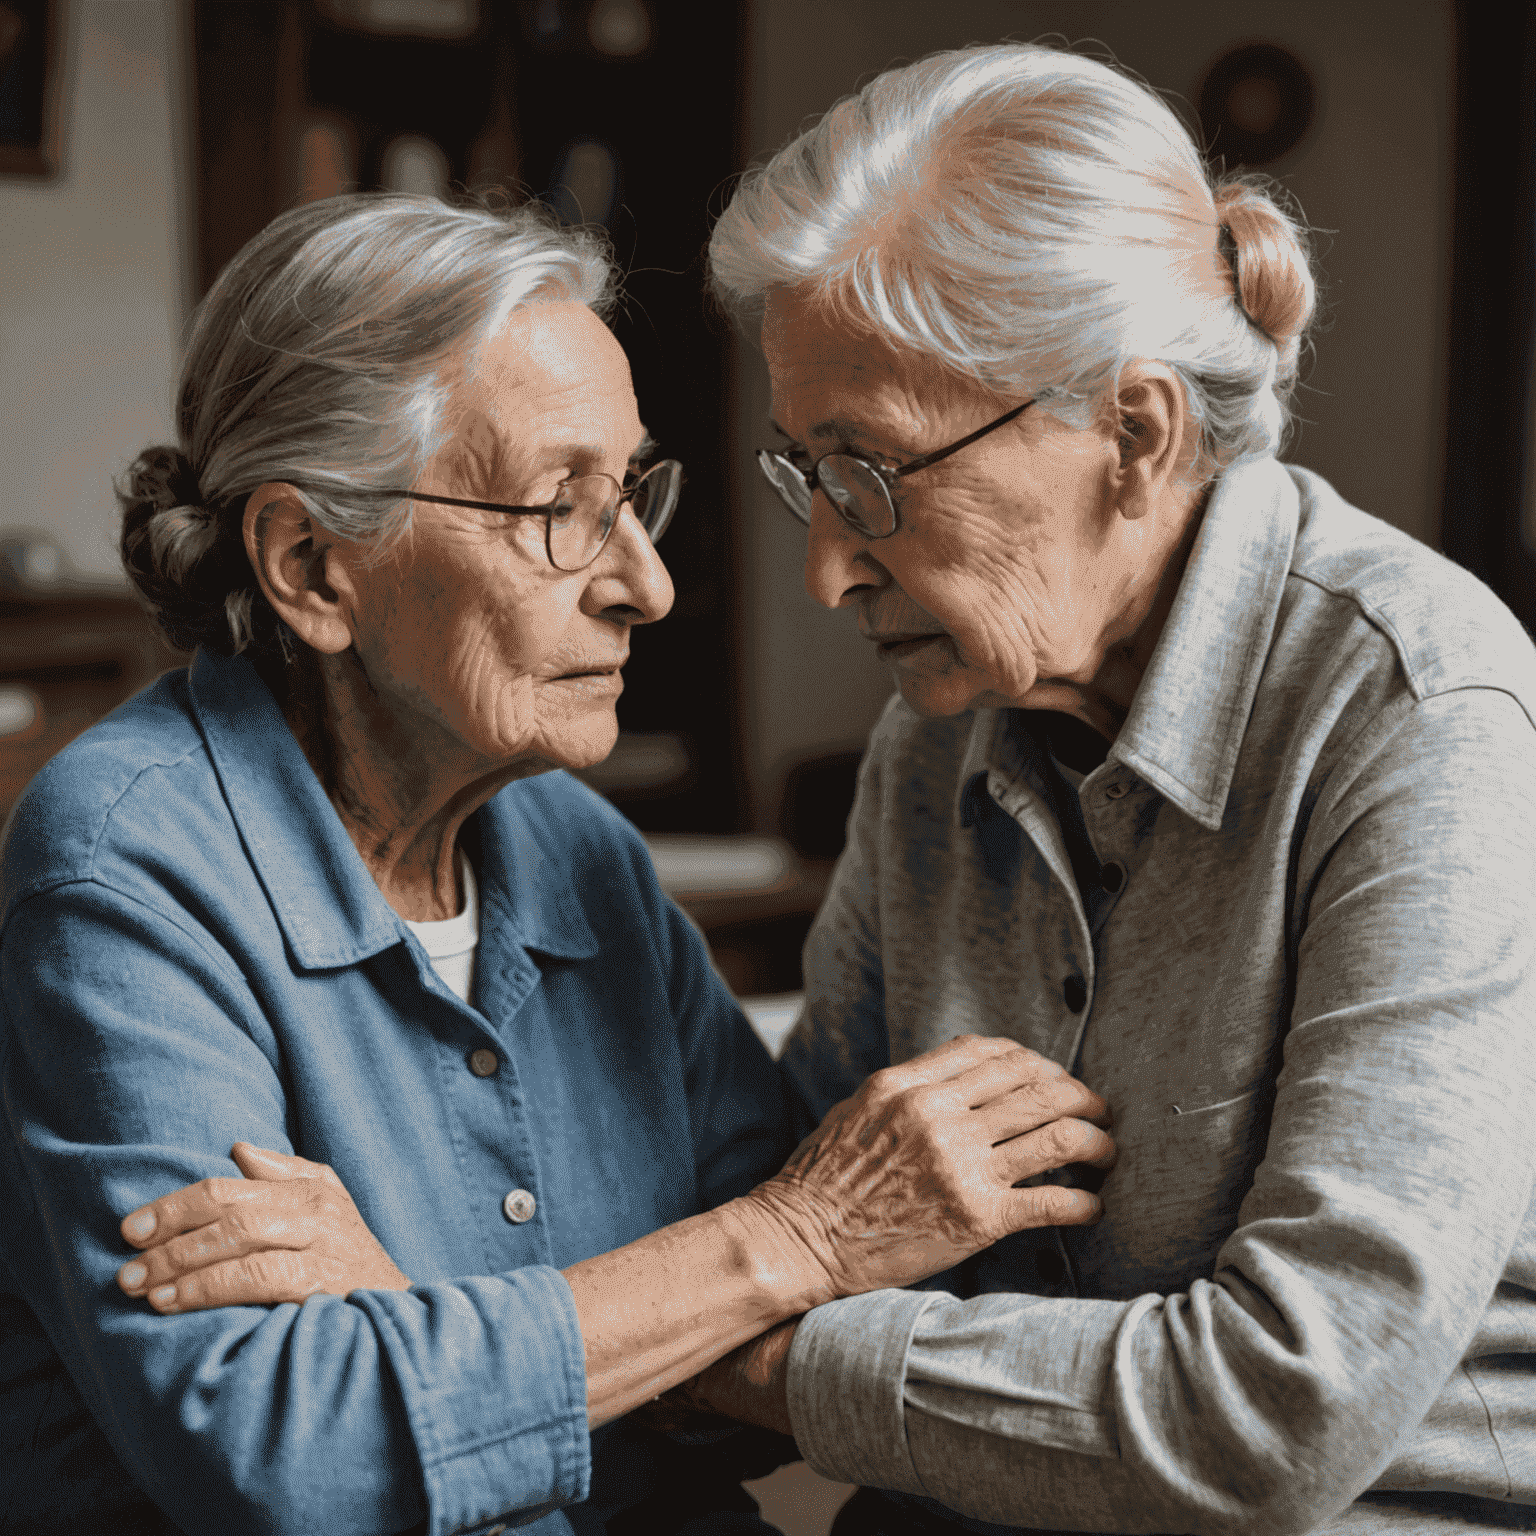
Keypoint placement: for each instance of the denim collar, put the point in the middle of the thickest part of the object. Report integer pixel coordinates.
(1186, 723)
(327, 904)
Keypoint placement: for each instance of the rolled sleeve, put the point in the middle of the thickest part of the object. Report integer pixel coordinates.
(900, 1389)
(847, 1375)
(487, 1451)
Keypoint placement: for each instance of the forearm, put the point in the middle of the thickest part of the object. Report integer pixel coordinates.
(658, 1311)
(920, 1169)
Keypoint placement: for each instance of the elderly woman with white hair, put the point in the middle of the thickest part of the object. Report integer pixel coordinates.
(322, 896)
(1200, 782)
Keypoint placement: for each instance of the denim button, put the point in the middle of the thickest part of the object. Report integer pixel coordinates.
(1117, 791)
(1112, 876)
(1074, 992)
(519, 1206)
(483, 1063)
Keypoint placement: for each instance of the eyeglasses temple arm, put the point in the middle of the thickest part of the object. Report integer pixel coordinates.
(458, 501)
(965, 442)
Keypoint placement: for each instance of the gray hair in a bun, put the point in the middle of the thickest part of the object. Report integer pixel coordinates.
(324, 356)
(188, 563)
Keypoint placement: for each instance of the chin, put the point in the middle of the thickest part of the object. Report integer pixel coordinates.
(935, 698)
(583, 744)
(569, 740)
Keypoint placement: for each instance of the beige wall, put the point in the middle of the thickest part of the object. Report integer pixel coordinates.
(1374, 173)
(96, 279)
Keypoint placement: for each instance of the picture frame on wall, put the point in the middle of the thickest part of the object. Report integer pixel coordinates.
(29, 87)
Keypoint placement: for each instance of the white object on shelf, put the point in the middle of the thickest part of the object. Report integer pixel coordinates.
(450, 19)
(18, 709)
(773, 1017)
(721, 865)
(414, 163)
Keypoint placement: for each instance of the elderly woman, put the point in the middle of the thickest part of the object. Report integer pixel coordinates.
(320, 895)
(1201, 782)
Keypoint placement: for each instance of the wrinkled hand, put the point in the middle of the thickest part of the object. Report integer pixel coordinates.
(918, 1170)
(285, 1231)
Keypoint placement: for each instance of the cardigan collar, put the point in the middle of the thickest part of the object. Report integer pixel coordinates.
(1186, 722)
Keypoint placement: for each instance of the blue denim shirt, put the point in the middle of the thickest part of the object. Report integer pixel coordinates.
(192, 953)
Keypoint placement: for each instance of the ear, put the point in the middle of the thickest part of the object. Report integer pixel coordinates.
(1154, 436)
(299, 567)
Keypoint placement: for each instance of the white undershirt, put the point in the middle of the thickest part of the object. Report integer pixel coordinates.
(451, 943)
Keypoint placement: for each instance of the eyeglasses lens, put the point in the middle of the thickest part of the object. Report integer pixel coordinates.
(782, 475)
(582, 519)
(655, 497)
(854, 488)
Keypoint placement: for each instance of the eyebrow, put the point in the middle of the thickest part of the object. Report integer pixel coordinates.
(841, 430)
(584, 455)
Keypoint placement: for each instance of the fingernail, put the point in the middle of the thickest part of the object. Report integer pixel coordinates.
(133, 1276)
(141, 1225)
(163, 1295)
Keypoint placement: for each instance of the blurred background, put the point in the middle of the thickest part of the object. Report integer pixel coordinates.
(143, 141)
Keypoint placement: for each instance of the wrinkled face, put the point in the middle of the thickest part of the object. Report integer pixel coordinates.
(473, 641)
(1009, 571)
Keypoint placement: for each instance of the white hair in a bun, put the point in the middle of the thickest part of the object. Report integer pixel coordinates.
(1034, 220)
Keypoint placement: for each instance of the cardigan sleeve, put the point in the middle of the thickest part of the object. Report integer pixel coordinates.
(840, 1037)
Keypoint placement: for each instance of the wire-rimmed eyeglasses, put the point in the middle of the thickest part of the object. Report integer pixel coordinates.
(578, 521)
(858, 488)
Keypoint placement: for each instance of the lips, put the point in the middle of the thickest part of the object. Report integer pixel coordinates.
(903, 644)
(594, 668)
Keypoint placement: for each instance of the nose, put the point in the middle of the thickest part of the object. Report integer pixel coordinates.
(629, 581)
(838, 564)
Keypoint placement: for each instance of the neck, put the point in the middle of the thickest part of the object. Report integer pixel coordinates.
(1104, 702)
(402, 789)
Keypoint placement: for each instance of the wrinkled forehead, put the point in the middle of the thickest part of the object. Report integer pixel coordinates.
(552, 375)
(831, 379)
(549, 356)
(800, 335)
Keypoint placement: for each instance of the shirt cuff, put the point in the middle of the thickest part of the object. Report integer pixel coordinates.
(493, 1373)
(847, 1372)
